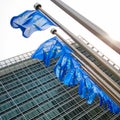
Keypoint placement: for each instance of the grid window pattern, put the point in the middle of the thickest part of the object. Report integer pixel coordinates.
(30, 91)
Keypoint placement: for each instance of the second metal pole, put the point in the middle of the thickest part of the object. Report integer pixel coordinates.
(110, 89)
(98, 32)
(77, 40)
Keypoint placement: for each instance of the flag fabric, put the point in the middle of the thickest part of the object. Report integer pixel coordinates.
(31, 21)
(52, 48)
(70, 79)
(63, 65)
(66, 70)
(89, 90)
(69, 71)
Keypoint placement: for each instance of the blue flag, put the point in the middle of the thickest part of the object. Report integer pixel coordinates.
(31, 21)
(69, 71)
(66, 69)
(70, 79)
(52, 48)
(89, 90)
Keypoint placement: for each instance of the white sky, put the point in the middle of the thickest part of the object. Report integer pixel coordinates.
(104, 13)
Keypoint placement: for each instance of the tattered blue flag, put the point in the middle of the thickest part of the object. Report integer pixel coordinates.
(73, 75)
(58, 70)
(70, 79)
(82, 89)
(63, 65)
(51, 48)
(66, 69)
(69, 71)
(78, 74)
(107, 102)
(31, 21)
(89, 90)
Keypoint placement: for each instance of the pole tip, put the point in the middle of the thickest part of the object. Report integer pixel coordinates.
(53, 30)
(37, 6)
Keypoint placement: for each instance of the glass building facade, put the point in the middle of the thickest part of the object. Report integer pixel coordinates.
(31, 91)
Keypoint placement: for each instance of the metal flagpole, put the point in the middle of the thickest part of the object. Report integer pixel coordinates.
(110, 87)
(77, 40)
(106, 78)
(98, 32)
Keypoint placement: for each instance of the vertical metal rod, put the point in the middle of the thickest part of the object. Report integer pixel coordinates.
(111, 89)
(77, 40)
(98, 32)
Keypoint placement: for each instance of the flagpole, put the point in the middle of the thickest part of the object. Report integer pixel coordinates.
(107, 79)
(78, 40)
(98, 32)
(109, 86)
